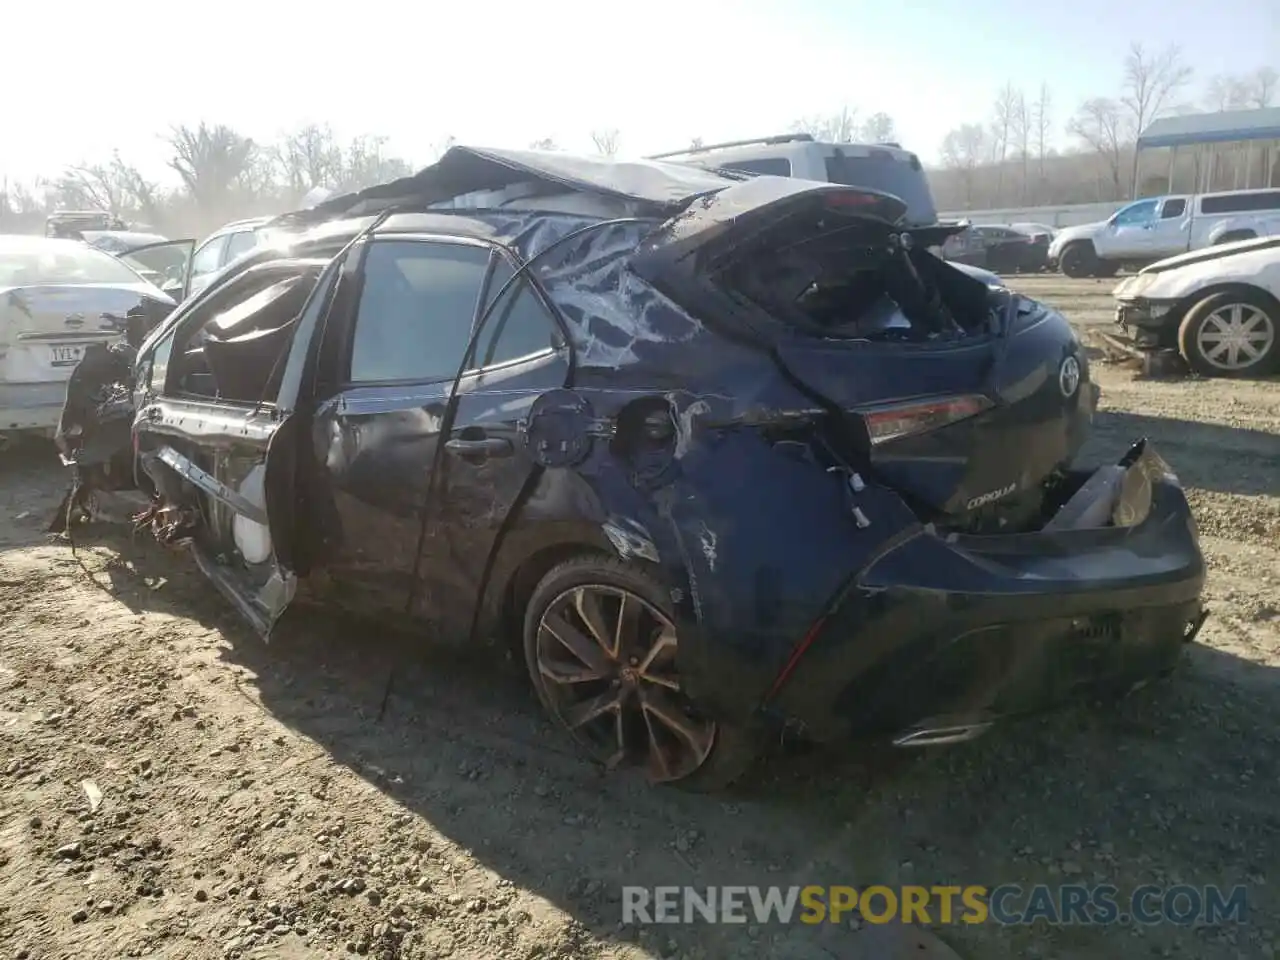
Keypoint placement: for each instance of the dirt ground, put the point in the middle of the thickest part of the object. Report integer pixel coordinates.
(246, 800)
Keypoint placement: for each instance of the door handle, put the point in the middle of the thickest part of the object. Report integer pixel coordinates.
(480, 447)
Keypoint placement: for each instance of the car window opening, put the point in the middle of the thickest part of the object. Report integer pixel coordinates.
(237, 353)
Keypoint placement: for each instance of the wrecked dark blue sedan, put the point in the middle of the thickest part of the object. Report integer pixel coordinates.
(723, 457)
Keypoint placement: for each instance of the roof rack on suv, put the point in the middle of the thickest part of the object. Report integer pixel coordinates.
(779, 138)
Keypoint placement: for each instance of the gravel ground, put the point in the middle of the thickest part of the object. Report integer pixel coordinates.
(171, 787)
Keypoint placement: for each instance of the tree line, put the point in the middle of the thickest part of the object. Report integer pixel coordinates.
(1012, 157)
(221, 175)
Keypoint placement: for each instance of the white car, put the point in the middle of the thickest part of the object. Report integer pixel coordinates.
(56, 298)
(1219, 308)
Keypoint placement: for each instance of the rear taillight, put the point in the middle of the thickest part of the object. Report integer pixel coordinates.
(893, 422)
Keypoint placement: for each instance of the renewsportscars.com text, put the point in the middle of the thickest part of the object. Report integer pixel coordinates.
(1008, 904)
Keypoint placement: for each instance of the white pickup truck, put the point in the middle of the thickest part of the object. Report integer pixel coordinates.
(1149, 230)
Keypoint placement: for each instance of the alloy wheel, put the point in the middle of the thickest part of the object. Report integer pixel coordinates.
(607, 659)
(1235, 336)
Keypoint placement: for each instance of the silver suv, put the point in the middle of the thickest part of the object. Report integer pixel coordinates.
(876, 166)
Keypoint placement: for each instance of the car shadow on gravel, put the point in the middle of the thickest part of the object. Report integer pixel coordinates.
(1207, 456)
(1174, 783)
(1170, 783)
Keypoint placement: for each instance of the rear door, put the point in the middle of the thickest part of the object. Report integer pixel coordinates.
(411, 491)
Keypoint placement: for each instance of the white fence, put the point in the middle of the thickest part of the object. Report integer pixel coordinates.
(1064, 216)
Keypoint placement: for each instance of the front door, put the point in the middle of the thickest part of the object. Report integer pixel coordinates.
(409, 522)
(1171, 231)
(1128, 233)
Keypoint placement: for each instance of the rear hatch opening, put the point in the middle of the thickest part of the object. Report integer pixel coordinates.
(922, 379)
(827, 268)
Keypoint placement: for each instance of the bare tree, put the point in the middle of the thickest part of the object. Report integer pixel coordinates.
(1224, 92)
(962, 151)
(1261, 87)
(1150, 82)
(365, 162)
(212, 160)
(1042, 124)
(1001, 126)
(695, 143)
(840, 127)
(546, 143)
(606, 141)
(20, 200)
(114, 186)
(878, 128)
(1020, 137)
(1100, 124)
(309, 157)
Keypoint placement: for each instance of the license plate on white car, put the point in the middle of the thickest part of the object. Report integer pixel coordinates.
(65, 356)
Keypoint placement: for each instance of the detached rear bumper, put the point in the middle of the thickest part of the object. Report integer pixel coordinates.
(963, 631)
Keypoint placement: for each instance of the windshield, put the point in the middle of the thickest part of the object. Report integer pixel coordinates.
(890, 174)
(27, 261)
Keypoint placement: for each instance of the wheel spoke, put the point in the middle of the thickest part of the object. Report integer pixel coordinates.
(1218, 350)
(593, 708)
(585, 648)
(626, 633)
(566, 670)
(587, 604)
(659, 664)
(661, 706)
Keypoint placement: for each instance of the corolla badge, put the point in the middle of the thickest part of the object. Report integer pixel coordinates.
(1069, 376)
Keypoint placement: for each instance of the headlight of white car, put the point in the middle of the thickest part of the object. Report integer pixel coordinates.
(1131, 287)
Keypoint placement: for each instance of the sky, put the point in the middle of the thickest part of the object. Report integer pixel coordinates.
(85, 78)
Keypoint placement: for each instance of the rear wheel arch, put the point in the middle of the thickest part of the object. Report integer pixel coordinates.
(1078, 258)
(1230, 236)
(515, 588)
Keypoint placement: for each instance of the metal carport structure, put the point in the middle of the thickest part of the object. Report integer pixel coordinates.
(1207, 134)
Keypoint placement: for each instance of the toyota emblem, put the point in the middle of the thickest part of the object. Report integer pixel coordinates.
(1069, 376)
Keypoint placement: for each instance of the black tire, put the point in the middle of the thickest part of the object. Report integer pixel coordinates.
(1209, 311)
(733, 749)
(1234, 235)
(1078, 260)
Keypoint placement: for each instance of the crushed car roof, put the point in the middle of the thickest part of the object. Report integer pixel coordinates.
(463, 170)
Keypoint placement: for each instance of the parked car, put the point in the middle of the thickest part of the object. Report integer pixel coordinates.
(1037, 230)
(221, 247)
(561, 455)
(965, 247)
(58, 297)
(876, 166)
(882, 166)
(998, 248)
(1150, 230)
(1010, 250)
(1219, 308)
(70, 224)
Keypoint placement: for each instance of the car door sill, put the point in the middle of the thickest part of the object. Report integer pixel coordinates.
(262, 609)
